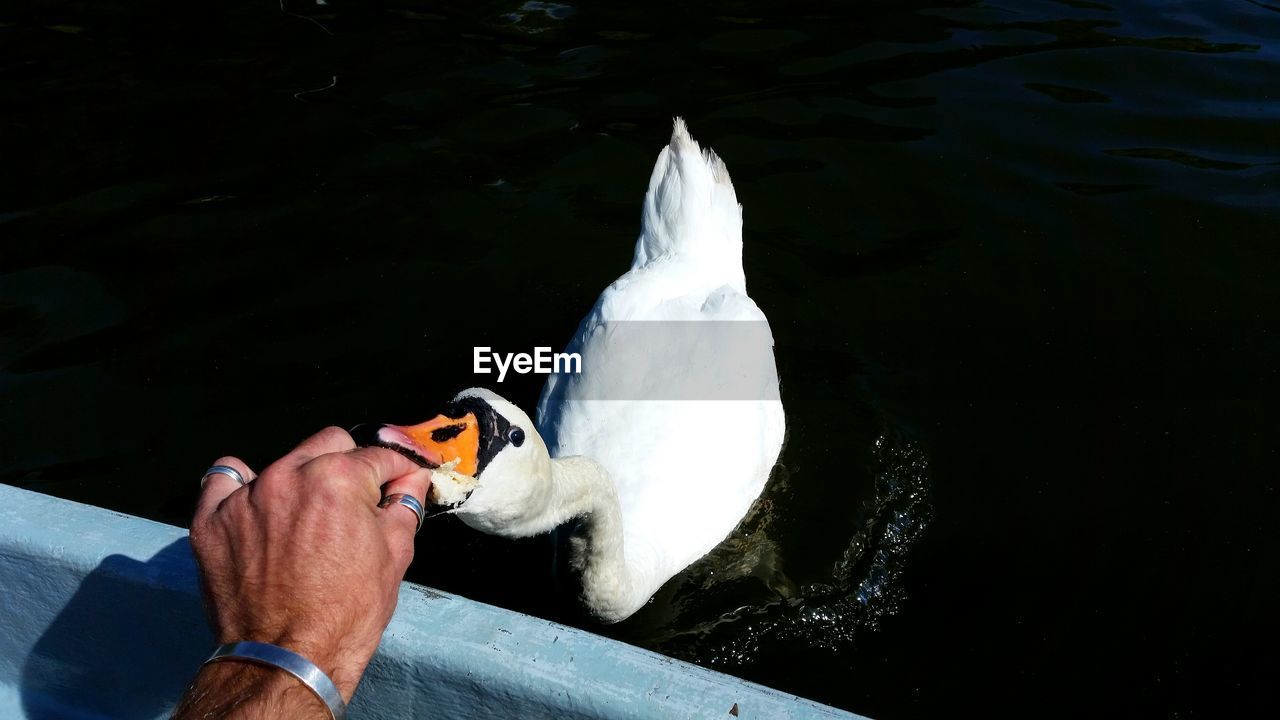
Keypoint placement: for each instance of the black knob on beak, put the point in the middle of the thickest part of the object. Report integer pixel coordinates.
(366, 434)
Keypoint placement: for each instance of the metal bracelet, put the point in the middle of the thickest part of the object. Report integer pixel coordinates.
(290, 662)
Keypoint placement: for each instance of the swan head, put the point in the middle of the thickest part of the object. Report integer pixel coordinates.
(495, 445)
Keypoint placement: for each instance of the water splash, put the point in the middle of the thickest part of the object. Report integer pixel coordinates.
(866, 581)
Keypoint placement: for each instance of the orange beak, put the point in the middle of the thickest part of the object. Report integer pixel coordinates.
(443, 439)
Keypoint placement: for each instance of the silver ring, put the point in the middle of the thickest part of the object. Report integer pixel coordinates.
(227, 470)
(408, 501)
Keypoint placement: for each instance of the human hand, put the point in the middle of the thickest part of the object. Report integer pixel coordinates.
(302, 557)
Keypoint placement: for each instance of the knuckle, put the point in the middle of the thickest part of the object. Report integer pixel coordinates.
(335, 475)
(359, 464)
(333, 433)
(328, 468)
(271, 481)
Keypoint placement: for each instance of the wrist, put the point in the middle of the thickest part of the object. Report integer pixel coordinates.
(343, 665)
(246, 690)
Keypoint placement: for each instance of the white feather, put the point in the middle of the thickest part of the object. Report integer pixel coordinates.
(685, 471)
(658, 482)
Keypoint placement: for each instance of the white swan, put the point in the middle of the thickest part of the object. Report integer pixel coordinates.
(669, 433)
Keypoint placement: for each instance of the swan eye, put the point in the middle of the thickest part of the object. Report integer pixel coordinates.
(515, 436)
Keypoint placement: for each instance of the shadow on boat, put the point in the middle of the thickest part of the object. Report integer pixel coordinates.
(125, 645)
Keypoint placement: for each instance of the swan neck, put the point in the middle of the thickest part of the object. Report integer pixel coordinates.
(598, 551)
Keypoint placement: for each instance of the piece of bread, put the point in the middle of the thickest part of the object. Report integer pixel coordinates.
(448, 487)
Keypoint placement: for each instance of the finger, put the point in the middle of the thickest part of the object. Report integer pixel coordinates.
(401, 523)
(384, 465)
(328, 440)
(366, 469)
(219, 486)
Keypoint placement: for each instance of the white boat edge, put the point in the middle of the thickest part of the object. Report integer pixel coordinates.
(100, 616)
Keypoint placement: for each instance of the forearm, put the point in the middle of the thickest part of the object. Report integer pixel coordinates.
(247, 691)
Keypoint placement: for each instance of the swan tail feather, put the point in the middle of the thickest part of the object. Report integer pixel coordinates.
(691, 207)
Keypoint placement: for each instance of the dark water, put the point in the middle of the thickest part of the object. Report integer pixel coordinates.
(1019, 257)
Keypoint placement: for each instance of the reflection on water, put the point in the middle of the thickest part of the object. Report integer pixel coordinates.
(1036, 238)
